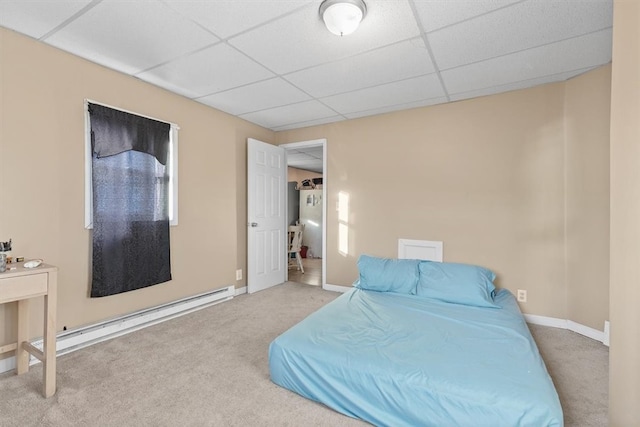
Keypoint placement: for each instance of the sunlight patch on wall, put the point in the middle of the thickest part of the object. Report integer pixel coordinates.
(343, 223)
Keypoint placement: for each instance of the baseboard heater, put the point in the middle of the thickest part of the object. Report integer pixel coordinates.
(69, 341)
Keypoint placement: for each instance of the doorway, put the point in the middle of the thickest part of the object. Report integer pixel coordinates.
(307, 160)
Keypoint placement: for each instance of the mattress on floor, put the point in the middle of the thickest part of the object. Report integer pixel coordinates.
(401, 360)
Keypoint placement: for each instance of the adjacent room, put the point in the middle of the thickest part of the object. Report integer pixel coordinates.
(270, 161)
(305, 213)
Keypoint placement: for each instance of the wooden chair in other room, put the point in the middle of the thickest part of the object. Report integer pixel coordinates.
(295, 243)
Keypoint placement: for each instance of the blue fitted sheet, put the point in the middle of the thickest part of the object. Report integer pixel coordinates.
(401, 360)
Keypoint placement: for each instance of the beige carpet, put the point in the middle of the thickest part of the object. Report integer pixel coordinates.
(579, 367)
(209, 368)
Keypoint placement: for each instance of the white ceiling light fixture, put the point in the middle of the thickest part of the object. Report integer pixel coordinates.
(342, 17)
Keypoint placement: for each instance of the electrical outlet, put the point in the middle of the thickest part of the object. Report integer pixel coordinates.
(522, 295)
(239, 274)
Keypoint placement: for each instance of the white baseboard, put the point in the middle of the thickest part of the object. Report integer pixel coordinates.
(546, 321)
(7, 364)
(586, 331)
(595, 334)
(336, 288)
(240, 291)
(73, 340)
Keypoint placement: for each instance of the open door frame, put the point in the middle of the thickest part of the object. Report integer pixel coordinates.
(305, 144)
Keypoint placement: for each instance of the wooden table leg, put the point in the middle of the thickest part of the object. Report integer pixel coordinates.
(50, 336)
(22, 356)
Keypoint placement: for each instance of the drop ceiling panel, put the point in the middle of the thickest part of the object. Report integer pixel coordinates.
(409, 90)
(390, 63)
(131, 36)
(257, 96)
(556, 58)
(308, 158)
(226, 18)
(305, 164)
(37, 18)
(274, 63)
(300, 40)
(208, 71)
(290, 114)
(314, 166)
(314, 152)
(438, 14)
(297, 157)
(518, 27)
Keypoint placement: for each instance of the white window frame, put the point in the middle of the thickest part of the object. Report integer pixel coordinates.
(172, 164)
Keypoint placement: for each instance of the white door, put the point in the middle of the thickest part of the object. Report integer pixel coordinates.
(266, 215)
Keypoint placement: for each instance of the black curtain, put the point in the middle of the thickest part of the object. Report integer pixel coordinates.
(115, 131)
(130, 180)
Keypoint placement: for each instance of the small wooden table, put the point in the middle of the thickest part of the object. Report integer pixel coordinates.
(20, 285)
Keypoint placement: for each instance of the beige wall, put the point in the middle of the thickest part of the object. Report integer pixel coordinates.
(42, 91)
(587, 102)
(295, 174)
(624, 356)
(487, 177)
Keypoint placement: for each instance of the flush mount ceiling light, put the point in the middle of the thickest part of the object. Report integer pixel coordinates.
(342, 17)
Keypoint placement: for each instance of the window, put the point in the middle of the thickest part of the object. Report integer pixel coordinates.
(172, 165)
(131, 199)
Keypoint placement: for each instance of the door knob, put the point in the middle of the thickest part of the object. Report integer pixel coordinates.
(254, 224)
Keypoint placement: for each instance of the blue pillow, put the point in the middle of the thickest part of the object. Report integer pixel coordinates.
(457, 283)
(388, 275)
